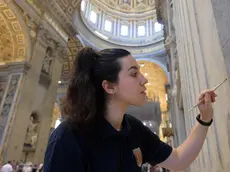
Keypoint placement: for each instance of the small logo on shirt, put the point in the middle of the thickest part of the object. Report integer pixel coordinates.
(138, 155)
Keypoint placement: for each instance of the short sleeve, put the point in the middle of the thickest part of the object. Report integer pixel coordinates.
(154, 150)
(63, 154)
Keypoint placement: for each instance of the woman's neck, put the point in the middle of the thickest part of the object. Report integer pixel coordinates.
(115, 113)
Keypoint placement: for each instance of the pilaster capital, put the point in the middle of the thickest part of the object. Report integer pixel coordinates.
(46, 38)
(43, 36)
(61, 52)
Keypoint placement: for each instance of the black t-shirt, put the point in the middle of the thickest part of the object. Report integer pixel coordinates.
(105, 149)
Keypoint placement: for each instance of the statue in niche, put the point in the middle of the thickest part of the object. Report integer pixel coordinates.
(46, 67)
(31, 134)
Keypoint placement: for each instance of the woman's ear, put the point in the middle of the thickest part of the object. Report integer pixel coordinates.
(108, 87)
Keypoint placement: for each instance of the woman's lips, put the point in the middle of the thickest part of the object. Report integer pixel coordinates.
(143, 92)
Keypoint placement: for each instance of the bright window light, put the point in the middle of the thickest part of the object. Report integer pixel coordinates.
(93, 17)
(83, 5)
(141, 31)
(124, 30)
(57, 123)
(158, 27)
(108, 26)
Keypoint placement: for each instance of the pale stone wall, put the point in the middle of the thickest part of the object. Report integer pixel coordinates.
(202, 66)
(26, 96)
(46, 112)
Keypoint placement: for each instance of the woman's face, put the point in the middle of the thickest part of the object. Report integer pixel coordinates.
(130, 88)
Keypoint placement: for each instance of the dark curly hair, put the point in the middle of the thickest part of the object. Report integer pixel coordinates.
(86, 99)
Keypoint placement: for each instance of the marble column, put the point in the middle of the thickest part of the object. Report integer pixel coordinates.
(177, 114)
(221, 10)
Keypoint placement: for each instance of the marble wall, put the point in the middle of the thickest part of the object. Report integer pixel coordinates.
(203, 63)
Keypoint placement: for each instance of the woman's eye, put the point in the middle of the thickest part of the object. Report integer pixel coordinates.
(134, 74)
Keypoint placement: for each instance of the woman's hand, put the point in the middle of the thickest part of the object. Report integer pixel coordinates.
(206, 98)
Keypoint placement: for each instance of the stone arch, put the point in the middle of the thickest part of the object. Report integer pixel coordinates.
(157, 80)
(156, 62)
(14, 38)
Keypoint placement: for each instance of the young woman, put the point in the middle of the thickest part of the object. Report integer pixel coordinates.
(97, 135)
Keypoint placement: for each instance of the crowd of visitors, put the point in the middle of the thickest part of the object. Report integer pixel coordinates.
(12, 166)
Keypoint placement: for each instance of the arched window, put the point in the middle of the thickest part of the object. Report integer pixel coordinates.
(93, 17)
(141, 31)
(124, 30)
(108, 26)
(83, 5)
(157, 27)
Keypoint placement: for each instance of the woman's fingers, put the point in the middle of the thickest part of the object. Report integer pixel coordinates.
(210, 92)
(212, 100)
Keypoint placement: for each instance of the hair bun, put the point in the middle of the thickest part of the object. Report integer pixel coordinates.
(86, 58)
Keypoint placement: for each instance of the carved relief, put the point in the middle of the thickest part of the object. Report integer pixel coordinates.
(130, 5)
(56, 26)
(2, 89)
(8, 103)
(170, 41)
(34, 6)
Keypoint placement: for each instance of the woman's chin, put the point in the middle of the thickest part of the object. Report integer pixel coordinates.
(140, 102)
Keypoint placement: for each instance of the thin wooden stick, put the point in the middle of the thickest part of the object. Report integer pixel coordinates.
(215, 88)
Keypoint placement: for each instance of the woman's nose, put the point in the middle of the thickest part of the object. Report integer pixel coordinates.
(144, 80)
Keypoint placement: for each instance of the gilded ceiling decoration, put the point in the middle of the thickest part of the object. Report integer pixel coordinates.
(56, 115)
(129, 6)
(12, 37)
(74, 45)
(157, 79)
(68, 6)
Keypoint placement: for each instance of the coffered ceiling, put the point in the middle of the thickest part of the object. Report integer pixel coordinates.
(12, 37)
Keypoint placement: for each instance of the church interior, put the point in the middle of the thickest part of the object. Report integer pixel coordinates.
(182, 47)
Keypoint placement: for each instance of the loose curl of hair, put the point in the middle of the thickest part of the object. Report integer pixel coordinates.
(86, 99)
